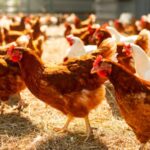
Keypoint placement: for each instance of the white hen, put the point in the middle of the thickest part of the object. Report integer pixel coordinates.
(77, 48)
(120, 38)
(142, 62)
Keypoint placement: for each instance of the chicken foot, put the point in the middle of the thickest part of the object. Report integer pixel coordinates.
(89, 130)
(65, 128)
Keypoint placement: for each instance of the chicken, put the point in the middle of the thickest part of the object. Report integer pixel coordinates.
(2, 36)
(87, 36)
(11, 82)
(90, 20)
(5, 22)
(36, 45)
(124, 57)
(11, 36)
(128, 22)
(143, 23)
(79, 24)
(79, 32)
(68, 87)
(77, 47)
(143, 40)
(118, 25)
(19, 26)
(25, 41)
(132, 95)
(85, 33)
(68, 28)
(141, 60)
(36, 28)
(100, 34)
(127, 19)
(10, 72)
(119, 37)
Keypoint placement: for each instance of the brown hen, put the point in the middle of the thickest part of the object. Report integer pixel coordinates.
(68, 87)
(132, 95)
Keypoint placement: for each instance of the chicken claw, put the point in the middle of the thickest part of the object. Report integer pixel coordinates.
(21, 103)
(65, 128)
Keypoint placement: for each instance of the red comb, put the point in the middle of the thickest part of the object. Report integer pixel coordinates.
(116, 23)
(97, 61)
(99, 34)
(10, 49)
(27, 20)
(90, 29)
(143, 21)
(69, 39)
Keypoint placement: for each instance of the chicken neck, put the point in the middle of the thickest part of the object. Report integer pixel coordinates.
(31, 69)
(122, 78)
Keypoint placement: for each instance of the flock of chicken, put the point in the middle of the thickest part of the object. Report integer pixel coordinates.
(115, 51)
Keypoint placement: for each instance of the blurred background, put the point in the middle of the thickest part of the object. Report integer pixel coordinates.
(104, 9)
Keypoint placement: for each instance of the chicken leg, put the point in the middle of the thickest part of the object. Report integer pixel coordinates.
(65, 128)
(142, 146)
(2, 108)
(88, 129)
(21, 103)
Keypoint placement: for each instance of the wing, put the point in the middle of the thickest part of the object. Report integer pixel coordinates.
(72, 76)
(59, 78)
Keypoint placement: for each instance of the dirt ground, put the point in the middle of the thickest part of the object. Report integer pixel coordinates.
(33, 128)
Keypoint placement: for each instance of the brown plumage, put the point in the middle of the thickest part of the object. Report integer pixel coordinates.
(25, 41)
(123, 59)
(68, 28)
(143, 40)
(101, 34)
(36, 29)
(83, 23)
(19, 26)
(68, 87)
(12, 35)
(11, 82)
(132, 95)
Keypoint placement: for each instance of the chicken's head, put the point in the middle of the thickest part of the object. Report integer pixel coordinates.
(116, 23)
(15, 54)
(70, 39)
(100, 35)
(127, 50)
(101, 67)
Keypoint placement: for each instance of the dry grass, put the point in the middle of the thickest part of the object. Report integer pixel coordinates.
(33, 128)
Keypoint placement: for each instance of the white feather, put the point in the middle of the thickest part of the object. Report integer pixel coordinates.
(142, 62)
(78, 48)
(120, 38)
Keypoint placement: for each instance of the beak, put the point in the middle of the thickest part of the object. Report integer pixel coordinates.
(94, 70)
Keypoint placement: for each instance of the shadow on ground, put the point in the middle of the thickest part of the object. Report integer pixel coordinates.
(71, 141)
(13, 124)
